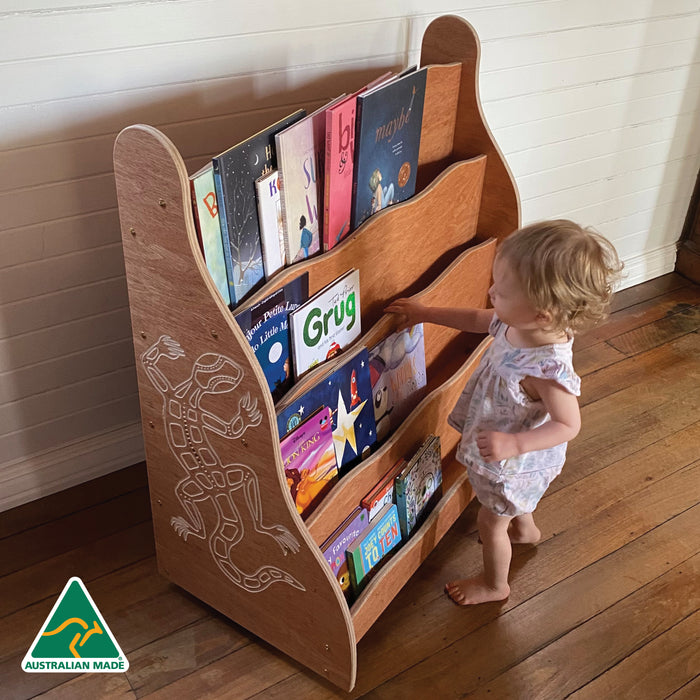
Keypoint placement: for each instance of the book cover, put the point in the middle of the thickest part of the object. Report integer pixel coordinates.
(382, 535)
(327, 323)
(309, 462)
(266, 327)
(397, 371)
(270, 218)
(389, 120)
(206, 213)
(235, 173)
(301, 151)
(419, 485)
(346, 389)
(384, 491)
(340, 150)
(339, 540)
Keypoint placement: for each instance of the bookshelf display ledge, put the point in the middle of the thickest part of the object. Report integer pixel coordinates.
(226, 528)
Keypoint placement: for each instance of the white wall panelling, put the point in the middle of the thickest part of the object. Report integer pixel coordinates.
(595, 105)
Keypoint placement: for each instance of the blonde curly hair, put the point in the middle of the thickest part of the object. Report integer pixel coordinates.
(566, 270)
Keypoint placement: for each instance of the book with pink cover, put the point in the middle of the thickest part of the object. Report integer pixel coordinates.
(301, 151)
(308, 456)
(340, 148)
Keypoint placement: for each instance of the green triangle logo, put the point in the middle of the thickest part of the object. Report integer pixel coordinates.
(75, 637)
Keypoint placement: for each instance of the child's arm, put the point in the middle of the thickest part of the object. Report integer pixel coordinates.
(564, 424)
(463, 319)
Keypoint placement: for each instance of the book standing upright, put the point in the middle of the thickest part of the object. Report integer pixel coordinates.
(198, 363)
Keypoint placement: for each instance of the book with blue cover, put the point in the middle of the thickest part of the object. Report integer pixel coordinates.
(266, 327)
(235, 173)
(347, 390)
(387, 140)
(382, 535)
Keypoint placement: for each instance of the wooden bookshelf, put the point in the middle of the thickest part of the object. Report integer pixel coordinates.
(226, 528)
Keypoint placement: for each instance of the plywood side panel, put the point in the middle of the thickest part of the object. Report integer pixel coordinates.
(446, 40)
(225, 526)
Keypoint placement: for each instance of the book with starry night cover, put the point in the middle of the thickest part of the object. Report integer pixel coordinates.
(346, 389)
(235, 173)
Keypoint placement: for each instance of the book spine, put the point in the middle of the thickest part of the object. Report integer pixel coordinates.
(289, 255)
(228, 259)
(358, 130)
(326, 235)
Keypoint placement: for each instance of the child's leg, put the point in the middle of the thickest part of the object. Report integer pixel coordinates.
(523, 530)
(493, 583)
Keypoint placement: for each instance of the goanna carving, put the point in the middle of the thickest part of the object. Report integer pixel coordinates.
(207, 477)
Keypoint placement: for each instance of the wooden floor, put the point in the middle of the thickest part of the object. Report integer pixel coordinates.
(607, 606)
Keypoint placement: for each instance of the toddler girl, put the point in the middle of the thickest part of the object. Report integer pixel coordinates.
(519, 409)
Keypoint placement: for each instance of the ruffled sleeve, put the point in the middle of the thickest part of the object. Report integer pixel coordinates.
(558, 370)
(495, 325)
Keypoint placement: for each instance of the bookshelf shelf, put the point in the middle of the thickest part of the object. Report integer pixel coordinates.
(225, 525)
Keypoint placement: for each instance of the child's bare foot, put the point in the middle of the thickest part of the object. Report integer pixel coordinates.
(472, 591)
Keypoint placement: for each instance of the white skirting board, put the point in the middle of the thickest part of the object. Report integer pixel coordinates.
(39, 475)
(42, 474)
(648, 265)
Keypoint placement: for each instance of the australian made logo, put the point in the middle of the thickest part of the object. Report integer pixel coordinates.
(75, 637)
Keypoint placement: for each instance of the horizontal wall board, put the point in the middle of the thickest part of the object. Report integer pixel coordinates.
(187, 21)
(48, 310)
(57, 341)
(100, 417)
(66, 400)
(76, 269)
(64, 370)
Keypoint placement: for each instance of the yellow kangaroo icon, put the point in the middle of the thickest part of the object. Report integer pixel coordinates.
(76, 620)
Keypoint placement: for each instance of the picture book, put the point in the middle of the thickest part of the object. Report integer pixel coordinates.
(301, 151)
(206, 213)
(309, 462)
(270, 219)
(235, 173)
(388, 127)
(381, 536)
(340, 150)
(340, 539)
(419, 485)
(327, 323)
(383, 492)
(266, 327)
(346, 389)
(397, 371)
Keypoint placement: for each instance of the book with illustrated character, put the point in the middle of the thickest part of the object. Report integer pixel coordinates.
(346, 389)
(384, 491)
(235, 173)
(327, 323)
(419, 485)
(338, 541)
(397, 371)
(271, 228)
(308, 457)
(340, 155)
(388, 128)
(301, 150)
(266, 328)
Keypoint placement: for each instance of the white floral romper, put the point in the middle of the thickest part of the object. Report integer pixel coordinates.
(494, 400)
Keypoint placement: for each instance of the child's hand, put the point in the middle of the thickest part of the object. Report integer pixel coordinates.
(409, 312)
(494, 446)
